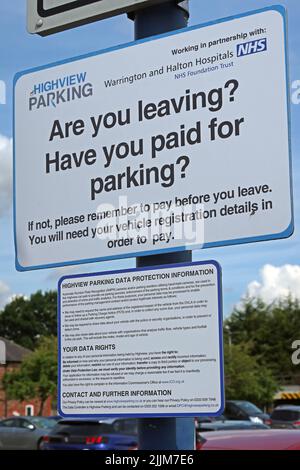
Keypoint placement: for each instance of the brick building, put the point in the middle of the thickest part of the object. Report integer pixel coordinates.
(14, 355)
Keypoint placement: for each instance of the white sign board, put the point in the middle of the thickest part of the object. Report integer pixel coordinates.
(142, 342)
(181, 142)
(51, 16)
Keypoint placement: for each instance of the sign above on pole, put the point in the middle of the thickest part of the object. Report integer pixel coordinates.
(179, 142)
(51, 16)
(142, 342)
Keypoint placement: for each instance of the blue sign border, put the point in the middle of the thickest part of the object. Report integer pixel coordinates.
(285, 234)
(148, 268)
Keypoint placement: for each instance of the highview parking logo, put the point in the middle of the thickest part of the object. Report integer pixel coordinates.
(64, 89)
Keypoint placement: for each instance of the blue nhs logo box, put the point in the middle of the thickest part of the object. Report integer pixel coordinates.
(252, 47)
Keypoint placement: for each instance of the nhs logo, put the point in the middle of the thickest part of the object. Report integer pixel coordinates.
(252, 47)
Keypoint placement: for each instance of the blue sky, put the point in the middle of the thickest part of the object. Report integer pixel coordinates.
(19, 50)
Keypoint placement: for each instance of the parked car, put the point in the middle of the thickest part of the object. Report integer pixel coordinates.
(226, 425)
(24, 433)
(269, 439)
(92, 434)
(286, 416)
(241, 410)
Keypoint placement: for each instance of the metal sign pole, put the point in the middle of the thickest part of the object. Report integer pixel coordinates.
(164, 433)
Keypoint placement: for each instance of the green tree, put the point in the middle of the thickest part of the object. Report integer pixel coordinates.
(269, 331)
(25, 320)
(37, 376)
(245, 378)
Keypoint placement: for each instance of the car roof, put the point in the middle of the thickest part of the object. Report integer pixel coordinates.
(89, 420)
(25, 417)
(287, 407)
(252, 440)
(16, 417)
(231, 422)
(238, 401)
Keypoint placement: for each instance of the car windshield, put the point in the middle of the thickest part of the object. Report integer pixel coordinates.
(43, 423)
(248, 407)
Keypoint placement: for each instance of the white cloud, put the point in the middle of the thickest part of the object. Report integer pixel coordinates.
(5, 173)
(5, 294)
(276, 283)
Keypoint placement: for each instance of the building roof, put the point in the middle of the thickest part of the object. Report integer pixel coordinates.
(14, 352)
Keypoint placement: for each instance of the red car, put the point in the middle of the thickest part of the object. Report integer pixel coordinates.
(269, 439)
